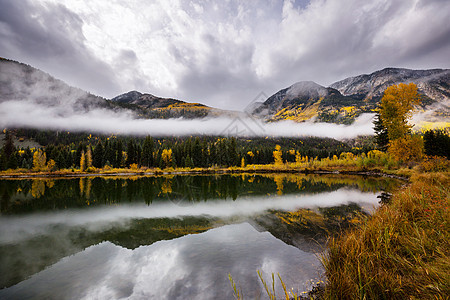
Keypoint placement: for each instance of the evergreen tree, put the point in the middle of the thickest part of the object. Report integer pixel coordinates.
(381, 134)
(119, 155)
(197, 153)
(233, 155)
(80, 149)
(131, 153)
(3, 160)
(8, 148)
(13, 161)
(60, 161)
(436, 142)
(110, 154)
(147, 152)
(97, 157)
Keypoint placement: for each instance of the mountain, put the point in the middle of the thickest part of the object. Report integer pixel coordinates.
(21, 82)
(435, 83)
(344, 100)
(308, 100)
(24, 88)
(156, 107)
(34, 89)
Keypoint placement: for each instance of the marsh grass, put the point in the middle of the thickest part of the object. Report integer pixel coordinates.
(401, 252)
(270, 290)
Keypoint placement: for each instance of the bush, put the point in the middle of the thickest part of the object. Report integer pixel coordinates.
(434, 164)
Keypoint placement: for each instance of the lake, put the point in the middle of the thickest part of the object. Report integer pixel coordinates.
(172, 237)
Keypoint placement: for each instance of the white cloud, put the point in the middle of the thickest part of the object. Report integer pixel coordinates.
(224, 53)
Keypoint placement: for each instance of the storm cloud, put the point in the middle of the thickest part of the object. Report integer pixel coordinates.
(221, 53)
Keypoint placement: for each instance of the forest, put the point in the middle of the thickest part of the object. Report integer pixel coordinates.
(86, 152)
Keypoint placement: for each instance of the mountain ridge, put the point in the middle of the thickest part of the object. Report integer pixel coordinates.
(341, 102)
(346, 99)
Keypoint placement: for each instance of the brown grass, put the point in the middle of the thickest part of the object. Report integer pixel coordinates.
(401, 252)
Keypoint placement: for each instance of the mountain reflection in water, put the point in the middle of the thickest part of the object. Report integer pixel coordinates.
(76, 239)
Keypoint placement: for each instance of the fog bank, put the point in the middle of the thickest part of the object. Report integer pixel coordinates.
(32, 115)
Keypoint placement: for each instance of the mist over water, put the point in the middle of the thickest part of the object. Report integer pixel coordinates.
(17, 227)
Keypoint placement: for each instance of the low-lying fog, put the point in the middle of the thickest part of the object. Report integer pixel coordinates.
(33, 115)
(17, 228)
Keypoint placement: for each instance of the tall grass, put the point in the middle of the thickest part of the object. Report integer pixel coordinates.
(270, 291)
(401, 252)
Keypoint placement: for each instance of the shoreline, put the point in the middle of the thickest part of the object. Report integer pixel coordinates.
(205, 171)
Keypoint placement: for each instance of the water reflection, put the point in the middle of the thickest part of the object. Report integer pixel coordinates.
(191, 267)
(21, 196)
(118, 237)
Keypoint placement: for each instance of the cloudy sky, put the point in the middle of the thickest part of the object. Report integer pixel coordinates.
(221, 53)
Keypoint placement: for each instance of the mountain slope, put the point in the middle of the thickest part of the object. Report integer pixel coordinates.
(21, 82)
(344, 100)
(24, 88)
(31, 88)
(156, 107)
(434, 83)
(308, 100)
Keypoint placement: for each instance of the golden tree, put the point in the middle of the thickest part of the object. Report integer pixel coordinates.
(166, 156)
(397, 105)
(82, 161)
(396, 109)
(278, 155)
(39, 159)
(88, 157)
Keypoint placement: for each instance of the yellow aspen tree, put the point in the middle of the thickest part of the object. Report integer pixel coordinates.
(278, 155)
(298, 158)
(396, 109)
(39, 159)
(82, 161)
(166, 156)
(51, 165)
(397, 105)
(88, 157)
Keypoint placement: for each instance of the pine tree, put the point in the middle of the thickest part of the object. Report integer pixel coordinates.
(119, 154)
(13, 161)
(232, 153)
(131, 153)
(197, 153)
(97, 159)
(381, 134)
(147, 152)
(8, 148)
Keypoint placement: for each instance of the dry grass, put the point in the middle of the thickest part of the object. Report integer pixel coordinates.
(401, 252)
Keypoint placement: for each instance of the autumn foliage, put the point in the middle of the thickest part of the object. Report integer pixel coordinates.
(396, 109)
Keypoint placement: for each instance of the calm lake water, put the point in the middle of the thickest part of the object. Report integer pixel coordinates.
(172, 237)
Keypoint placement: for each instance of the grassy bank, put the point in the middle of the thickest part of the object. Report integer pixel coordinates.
(375, 161)
(401, 252)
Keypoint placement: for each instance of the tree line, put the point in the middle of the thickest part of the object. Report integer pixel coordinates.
(64, 150)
